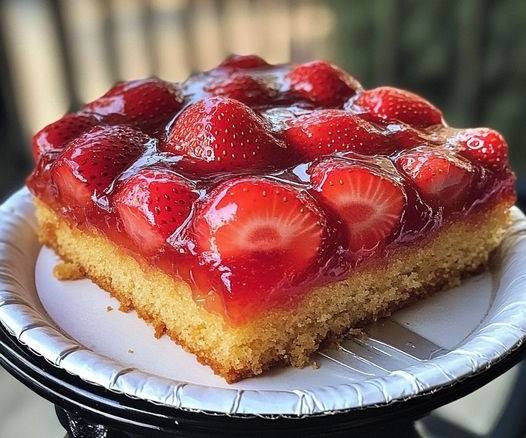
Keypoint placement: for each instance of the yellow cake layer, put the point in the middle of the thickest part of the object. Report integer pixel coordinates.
(280, 336)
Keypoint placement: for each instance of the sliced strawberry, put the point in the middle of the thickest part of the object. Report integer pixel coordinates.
(147, 104)
(243, 62)
(219, 134)
(91, 162)
(322, 83)
(242, 87)
(154, 204)
(324, 132)
(265, 232)
(484, 146)
(441, 179)
(394, 104)
(369, 202)
(54, 137)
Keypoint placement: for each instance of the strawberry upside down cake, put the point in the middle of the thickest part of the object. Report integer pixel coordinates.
(255, 210)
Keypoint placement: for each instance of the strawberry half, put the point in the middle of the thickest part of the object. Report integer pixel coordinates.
(322, 83)
(154, 204)
(325, 132)
(219, 134)
(368, 202)
(256, 226)
(90, 163)
(242, 87)
(484, 146)
(55, 136)
(243, 62)
(441, 178)
(147, 104)
(395, 104)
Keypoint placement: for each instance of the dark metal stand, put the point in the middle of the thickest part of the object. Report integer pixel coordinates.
(78, 427)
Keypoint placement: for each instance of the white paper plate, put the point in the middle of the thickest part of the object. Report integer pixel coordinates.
(436, 342)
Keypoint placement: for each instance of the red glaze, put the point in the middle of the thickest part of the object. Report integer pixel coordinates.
(255, 183)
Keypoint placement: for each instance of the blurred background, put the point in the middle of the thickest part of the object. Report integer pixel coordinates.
(467, 57)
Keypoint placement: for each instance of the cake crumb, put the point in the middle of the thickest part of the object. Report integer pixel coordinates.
(314, 365)
(68, 271)
(109, 309)
(130, 350)
(125, 308)
(357, 333)
(160, 329)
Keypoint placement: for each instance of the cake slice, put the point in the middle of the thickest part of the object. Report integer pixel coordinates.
(255, 211)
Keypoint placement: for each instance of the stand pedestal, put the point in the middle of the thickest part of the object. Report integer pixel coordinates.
(77, 427)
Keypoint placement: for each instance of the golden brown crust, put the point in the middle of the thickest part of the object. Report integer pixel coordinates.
(68, 271)
(282, 336)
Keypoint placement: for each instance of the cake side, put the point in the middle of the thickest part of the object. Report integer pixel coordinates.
(287, 336)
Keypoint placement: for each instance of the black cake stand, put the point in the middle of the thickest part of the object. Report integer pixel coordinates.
(90, 411)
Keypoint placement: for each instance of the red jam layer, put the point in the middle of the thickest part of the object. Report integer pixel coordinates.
(255, 183)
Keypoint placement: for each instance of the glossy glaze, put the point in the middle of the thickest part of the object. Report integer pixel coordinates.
(240, 288)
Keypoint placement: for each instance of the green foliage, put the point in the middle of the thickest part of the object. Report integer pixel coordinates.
(469, 57)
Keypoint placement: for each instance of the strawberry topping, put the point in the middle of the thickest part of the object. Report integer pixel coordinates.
(484, 146)
(255, 183)
(242, 62)
(325, 132)
(219, 134)
(394, 104)
(256, 226)
(322, 83)
(242, 87)
(401, 135)
(154, 204)
(147, 104)
(55, 136)
(254, 215)
(369, 202)
(90, 163)
(441, 178)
